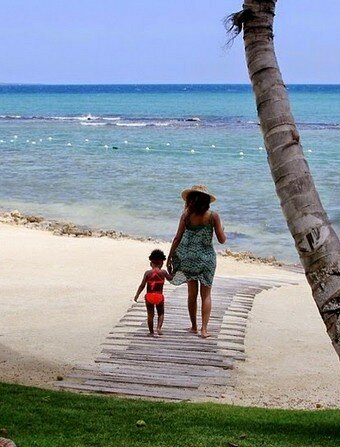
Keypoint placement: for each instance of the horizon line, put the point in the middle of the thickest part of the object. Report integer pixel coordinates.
(155, 83)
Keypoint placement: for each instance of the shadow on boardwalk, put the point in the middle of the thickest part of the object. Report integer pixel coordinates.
(178, 365)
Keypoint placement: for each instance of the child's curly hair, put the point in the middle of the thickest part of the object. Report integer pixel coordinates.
(157, 255)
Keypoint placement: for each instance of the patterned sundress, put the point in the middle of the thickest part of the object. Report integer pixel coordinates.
(195, 257)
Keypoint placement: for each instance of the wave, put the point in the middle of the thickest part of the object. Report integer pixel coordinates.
(111, 118)
(94, 120)
(10, 117)
(93, 124)
(88, 117)
(186, 121)
(144, 123)
(318, 125)
(131, 124)
(235, 235)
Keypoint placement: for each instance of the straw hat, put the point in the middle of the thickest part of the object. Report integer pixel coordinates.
(198, 188)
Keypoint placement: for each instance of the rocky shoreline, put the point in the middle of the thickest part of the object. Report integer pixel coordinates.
(248, 256)
(61, 228)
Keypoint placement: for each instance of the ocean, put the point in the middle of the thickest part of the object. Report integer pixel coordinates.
(117, 157)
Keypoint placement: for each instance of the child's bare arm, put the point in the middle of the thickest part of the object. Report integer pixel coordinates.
(141, 286)
(167, 275)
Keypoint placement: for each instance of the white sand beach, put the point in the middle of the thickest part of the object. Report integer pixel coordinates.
(60, 296)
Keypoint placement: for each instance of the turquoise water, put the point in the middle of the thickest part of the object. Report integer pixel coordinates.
(118, 156)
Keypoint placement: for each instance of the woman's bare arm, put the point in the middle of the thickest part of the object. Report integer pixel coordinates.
(221, 237)
(176, 241)
(167, 275)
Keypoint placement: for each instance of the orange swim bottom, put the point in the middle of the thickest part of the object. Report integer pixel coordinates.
(154, 298)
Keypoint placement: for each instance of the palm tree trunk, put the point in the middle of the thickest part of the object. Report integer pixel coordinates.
(315, 240)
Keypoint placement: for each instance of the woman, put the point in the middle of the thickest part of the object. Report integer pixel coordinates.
(192, 258)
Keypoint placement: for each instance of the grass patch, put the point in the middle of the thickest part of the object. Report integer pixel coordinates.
(41, 418)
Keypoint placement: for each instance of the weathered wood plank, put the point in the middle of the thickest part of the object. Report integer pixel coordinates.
(142, 392)
(153, 379)
(156, 364)
(200, 373)
(172, 355)
(166, 359)
(155, 390)
(168, 346)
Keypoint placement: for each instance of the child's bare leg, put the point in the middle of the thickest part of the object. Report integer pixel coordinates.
(192, 304)
(206, 309)
(151, 312)
(160, 312)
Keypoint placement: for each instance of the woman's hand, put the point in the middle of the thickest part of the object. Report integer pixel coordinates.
(169, 266)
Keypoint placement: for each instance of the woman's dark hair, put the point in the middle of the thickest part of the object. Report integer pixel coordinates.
(157, 255)
(197, 202)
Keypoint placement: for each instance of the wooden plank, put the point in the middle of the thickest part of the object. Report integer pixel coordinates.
(143, 392)
(169, 337)
(140, 389)
(190, 348)
(140, 379)
(233, 347)
(239, 309)
(173, 371)
(236, 314)
(155, 364)
(232, 327)
(171, 355)
(168, 346)
(166, 359)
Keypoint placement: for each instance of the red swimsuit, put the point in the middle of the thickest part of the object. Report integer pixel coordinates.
(154, 287)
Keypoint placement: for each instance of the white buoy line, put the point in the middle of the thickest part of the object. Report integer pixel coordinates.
(136, 144)
(40, 140)
(147, 146)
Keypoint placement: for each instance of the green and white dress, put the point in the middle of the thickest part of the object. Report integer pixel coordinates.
(195, 257)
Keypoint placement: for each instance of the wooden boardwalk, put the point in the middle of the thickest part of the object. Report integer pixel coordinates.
(178, 365)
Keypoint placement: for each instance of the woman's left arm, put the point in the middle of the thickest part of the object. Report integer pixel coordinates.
(221, 237)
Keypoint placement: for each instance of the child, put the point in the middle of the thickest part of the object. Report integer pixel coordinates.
(154, 281)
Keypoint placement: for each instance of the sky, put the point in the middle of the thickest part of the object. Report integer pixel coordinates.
(158, 41)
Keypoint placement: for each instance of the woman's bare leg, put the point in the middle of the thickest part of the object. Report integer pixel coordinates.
(192, 304)
(206, 309)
